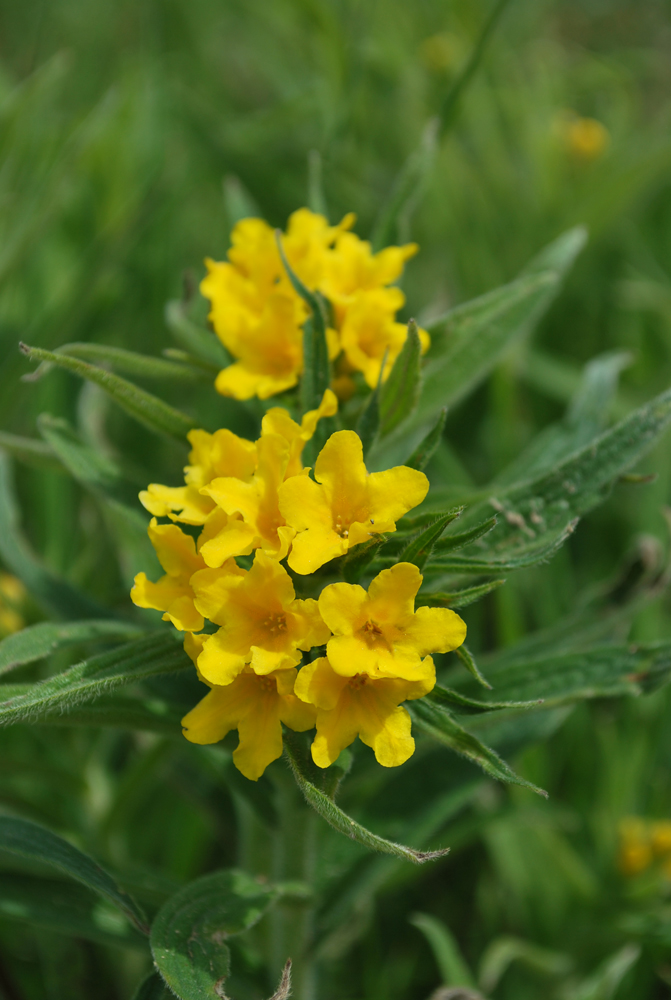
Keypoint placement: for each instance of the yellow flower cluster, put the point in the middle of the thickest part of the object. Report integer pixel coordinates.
(258, 316)
(257, 498)
(644, 843)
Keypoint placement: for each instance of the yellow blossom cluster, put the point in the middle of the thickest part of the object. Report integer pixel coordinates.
(644, 843)
(262, 663)
(258, 315)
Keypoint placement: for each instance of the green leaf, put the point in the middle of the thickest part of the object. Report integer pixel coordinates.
(203, 344)
(521, 557)
(503, 951)
(604, 983)
(437, 722)
(316, 366)
(30, 450)
(159, 653)
(339, 820)
(152, 988)
(149, 410)
(316, 198)
(131, 363)
(407, 190)
(399, 394)
(114, 711)
(459, 598)
(427, 448)
(240, 204)
(55, 595)
(599, 672)
(468, 661)
(368, 424)
(470, 706)
(451, 963)
(24, 839)
(189, 931)
(357, 560)
(450, 543)
(421, 547)
(66, 908)
(36, 641)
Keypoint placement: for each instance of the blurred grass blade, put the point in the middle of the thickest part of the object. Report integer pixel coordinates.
(437, 722)
(238, 201)
(451, 543)
(25, 839)
(37, 641)
(131, 363)
(468, 660)
(55, 595)
(421, 547)
(149, 410)
(189, 932)
(393, 219)
(426, 449)
(604, 983)
(459, 598)
(159, 653)
(470, 706)
(339, 820)
(152, 988)
(66, 908)
(503, 951)
(452, 965)
(316, 366)
(399, 394)
(30, 450)
(203, 344)
(316, 197)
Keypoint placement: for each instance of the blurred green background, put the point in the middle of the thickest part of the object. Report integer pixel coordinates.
(126, 130)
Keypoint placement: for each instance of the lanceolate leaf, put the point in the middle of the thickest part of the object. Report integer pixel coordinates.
(399, 394)
(459, 598)
(149, 410)
(131, 363)
(470, 706)
(55, 595)
(24, 839)
(368, 424)
(189, 932)
(450, 543)
(453, 968)
(30, 450)
(468, 660)
(153, 988)
(421, 547)
(159, 653)
(427, 448)
(193, 338)
(36, 641)
(522, 557)
(339, 820)
(439, 723)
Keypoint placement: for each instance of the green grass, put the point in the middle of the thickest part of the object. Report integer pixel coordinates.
(121, 128)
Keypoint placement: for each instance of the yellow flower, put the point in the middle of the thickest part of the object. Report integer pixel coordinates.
(635, 854)
(353, 268)
(380, 633)
(586, 138)
(220, 454)
(278, 421)
(263, 624)
(660, 837)
(256, 501)
(173, 594)
(255, 311)
(13, 595)
(347, 504)
(255, 706)
(369, 331)
(361, 705)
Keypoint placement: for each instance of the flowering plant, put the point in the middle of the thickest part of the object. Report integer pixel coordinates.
(313, 575)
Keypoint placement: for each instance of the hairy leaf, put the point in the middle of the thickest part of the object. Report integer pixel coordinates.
(190, 930)
(153, 988)
(25, 839)
(132, 363)
(36, 641)
(419, 550)
(159, 653)
(151, 411)
(427, 448)
(437, 722)
(470, 706)
(459, 598)
(450, 543)
(339, 820)
(400, 392)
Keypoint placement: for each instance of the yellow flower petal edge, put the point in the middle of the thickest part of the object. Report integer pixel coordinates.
(255, 706)
(278, 421)
(346, 505)
(380, 633)
(262, 622)
(363, 706)
(172, 594)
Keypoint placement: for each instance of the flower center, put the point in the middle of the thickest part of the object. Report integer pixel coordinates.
(267, 684)
(276, 623)
(358, 681)
(340, 528)
(372, 628)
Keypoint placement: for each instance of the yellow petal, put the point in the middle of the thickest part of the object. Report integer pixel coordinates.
(344, 607)
(311, 549)
(436, 630)
(313, 629)
(222, 659)
(327, 408)
(183, 614)
(392, 493)
(350, 655)
(158, 596)
(266, 661)
(224, 537)
(392, 743)
(176, 551)
(392, 593)
(335, 731)
(260, 732)
(212, 718)
(340, 467)
(303, 504)
(212, 590)
(193, 645)
(296, 714)
(318, 684)
(241, 382)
